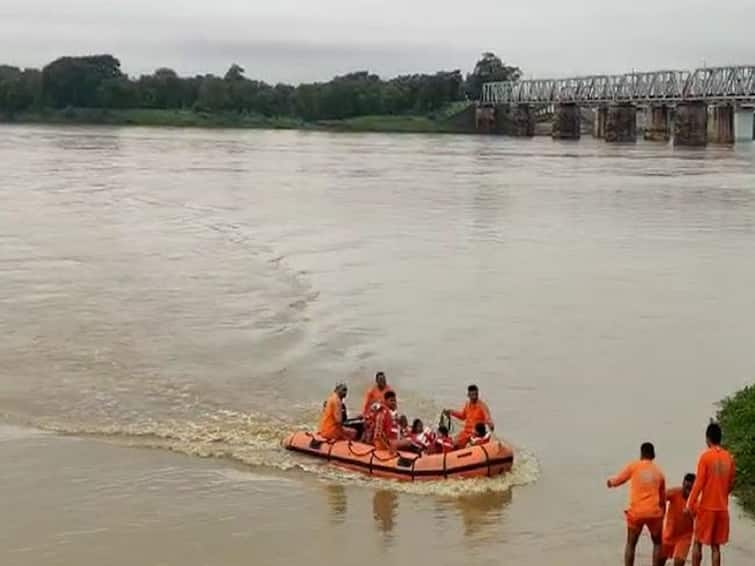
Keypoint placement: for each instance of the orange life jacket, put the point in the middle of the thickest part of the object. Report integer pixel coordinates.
(385, 429)
(479, 440)
(422, 440)
(444, 444)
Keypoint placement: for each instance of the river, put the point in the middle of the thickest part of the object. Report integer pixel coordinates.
(174, 301)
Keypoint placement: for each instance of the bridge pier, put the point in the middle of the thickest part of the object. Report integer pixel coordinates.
(691, 124)
(721, 124)
(599, 124)
(658, 124)
(621, 125)
(567, 122)
(744, 127)
(485, 119)
(523, 121)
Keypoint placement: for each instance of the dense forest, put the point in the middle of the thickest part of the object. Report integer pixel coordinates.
(97, 82)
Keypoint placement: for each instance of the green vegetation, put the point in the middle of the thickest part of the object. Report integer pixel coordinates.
(93, 89)
(737, 418)
(384, 124)
(179, 118)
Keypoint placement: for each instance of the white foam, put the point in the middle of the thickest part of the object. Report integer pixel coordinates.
(254, 441)
(12, 432)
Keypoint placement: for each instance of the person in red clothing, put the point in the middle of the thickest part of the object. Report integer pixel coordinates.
(403, 426)
(443, 442)
(647, 501)
(373, 403)
(481, 435)
(678, 527)
(375, 394)
(709, 498)
(387, 429)
(475, 411)
(421, 438)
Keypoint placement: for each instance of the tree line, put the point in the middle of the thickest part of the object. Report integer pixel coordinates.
(97, 82)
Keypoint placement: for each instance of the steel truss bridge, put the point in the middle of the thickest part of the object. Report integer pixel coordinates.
(710, 84)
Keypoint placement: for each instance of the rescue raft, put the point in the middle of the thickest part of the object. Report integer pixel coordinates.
(488, 460)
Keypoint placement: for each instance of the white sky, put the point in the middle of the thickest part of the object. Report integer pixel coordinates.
(305, 40)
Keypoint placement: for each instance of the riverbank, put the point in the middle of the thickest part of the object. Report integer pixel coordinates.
(449, 121)
(737, 418)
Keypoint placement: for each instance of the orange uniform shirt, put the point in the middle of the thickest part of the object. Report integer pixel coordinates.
(715, 480)
(647, 491)
(678, 523)
(330, 421)
(471, 414)
(373, 395)
(385, 429)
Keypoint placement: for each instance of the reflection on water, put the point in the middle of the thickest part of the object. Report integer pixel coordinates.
(337, 502)
(384, 509)
(479, 512)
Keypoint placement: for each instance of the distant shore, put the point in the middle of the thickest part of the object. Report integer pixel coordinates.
(195, 119)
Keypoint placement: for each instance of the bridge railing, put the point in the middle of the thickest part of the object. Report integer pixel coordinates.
(709, 84)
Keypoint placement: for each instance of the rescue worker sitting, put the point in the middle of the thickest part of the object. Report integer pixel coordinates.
(331, 422)
(386, 436)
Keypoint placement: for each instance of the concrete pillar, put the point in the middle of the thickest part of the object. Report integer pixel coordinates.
(485, 119)
(691, 124)
(567, 122)
(599, 123)
(658, 124)
(744, 124)
(523, 121)
(621, 125)
(503, 119)
(721, 124)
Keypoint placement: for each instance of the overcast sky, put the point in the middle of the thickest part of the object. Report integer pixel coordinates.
(305, 40)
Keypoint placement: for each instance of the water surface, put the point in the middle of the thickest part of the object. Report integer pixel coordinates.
(202, 291)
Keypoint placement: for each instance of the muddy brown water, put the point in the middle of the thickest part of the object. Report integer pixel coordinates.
(173, 301)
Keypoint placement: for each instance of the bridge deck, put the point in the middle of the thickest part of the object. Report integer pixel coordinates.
(710, 84)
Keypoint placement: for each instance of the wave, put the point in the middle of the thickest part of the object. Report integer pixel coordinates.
(253, 440)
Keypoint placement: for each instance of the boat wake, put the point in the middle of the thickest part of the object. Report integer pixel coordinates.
(254, 441)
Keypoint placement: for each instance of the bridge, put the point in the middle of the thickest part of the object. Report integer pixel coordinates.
(711, 103)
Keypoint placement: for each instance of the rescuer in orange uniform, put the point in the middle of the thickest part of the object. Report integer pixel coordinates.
(647, 501)
(475, 411)
(331, 422)
(709, 499)
(678, 527)
(387, 435)
(375, 394)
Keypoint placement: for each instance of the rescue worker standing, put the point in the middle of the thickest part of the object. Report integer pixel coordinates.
(375, 394)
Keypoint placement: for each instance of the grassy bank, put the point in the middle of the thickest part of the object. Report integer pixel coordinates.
(192, 119)
(408, 124)
(153, 117)
(737, 418)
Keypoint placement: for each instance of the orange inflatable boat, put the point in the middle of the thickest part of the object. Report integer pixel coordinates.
(487, 460)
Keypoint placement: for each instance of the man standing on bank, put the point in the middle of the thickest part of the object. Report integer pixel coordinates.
(647, 502)
(709, 499)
